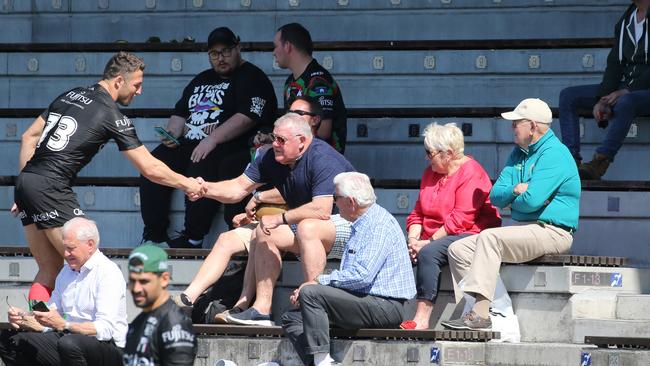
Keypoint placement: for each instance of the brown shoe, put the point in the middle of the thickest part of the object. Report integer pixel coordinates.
(594, 169)
(469, 321)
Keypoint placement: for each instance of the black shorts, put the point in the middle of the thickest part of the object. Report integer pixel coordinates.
(44, 201)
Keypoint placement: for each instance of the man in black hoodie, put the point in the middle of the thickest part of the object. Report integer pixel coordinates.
(622, 95)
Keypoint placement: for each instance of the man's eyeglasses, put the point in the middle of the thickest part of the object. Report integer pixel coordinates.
(520, 121)
(302, 113)
(280, 139)
(226, 52)
(336, 197)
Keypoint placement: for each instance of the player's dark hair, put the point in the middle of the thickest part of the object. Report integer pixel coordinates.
(122, 63)
(314, 106)
(298, 36)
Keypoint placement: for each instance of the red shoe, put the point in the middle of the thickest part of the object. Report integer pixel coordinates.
(408, 324)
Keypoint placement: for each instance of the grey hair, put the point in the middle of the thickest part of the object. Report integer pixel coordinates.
(356, 185)
(85, 229)
(296, 123)
(444, 137)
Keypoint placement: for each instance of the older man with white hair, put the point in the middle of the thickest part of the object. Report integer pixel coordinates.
(301, 169)
(84, 322)
(369, 289)
(540, 184)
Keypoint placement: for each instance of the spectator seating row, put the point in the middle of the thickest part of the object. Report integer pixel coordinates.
(341, 20)
(606, 217)
(384, 148)
(368, 79)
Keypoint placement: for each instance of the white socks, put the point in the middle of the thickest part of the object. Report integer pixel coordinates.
(322, 359)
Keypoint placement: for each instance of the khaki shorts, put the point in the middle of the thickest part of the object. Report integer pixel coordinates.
(244, 233)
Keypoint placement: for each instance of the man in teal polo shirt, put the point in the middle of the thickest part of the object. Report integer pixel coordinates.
(541, 185)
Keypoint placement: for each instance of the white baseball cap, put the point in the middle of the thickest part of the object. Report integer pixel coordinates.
(533, 109)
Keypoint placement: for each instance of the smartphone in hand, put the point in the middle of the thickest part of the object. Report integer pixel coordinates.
(40, 306)
(165, 135)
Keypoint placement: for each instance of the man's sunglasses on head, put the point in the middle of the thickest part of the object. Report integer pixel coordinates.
(302, 113)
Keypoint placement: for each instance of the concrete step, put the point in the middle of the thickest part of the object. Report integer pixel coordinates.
(633, 307)
(609, 328)
(610, 305)
(253, 351)
(615, 357)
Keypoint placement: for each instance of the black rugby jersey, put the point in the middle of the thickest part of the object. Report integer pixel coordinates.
(77, 125)
(163, 336)
(317, 83)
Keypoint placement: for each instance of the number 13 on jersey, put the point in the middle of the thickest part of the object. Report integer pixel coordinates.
(65, 127)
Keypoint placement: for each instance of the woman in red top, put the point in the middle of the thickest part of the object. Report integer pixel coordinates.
(453, 203)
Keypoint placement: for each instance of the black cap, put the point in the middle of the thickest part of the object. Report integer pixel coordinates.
(224, 36)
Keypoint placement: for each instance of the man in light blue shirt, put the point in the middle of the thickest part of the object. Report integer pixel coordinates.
(369, 289)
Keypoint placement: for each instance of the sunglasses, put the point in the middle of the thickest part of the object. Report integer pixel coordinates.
(302, 113)
(431, 155)
(280, 139)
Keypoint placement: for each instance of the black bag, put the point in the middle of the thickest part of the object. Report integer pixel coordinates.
(221, 296)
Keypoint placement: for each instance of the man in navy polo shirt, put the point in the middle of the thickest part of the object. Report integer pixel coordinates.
(301, 169)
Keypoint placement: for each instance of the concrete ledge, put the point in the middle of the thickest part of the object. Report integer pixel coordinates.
(616, 357)
(546, 354)
(608, 328)
(633, 307)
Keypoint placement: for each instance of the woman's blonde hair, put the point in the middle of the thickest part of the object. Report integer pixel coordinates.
(444, 137)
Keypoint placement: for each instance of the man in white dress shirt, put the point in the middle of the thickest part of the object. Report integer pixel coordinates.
(86, 322)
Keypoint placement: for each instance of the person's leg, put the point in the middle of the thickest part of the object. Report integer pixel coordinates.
(431, 258)
(268, 262)
(250, 282)
(460, 255)
(322, 305)
(29, 348)
(294, 330)
(512, 244)
(47, 248)
(635, 103)
(83, 350)
(228, 244)
(155, 199)
(573, 100)
(315, 238)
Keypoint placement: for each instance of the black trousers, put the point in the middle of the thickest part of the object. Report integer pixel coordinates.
(221, 163)
(321, 306)
(431, 258)
(54, 349)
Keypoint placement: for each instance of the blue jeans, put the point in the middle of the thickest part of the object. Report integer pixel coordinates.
(583, 97)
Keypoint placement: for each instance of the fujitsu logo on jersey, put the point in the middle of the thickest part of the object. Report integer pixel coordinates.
(124, 122)
(79, 98)
(177, 334)
(45, 216)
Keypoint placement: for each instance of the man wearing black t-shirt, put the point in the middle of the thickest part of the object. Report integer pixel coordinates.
(162, 334)
(292, 48)
(217, 115)
(60, 142)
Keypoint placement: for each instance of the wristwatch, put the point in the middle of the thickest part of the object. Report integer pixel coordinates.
(257, 196)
